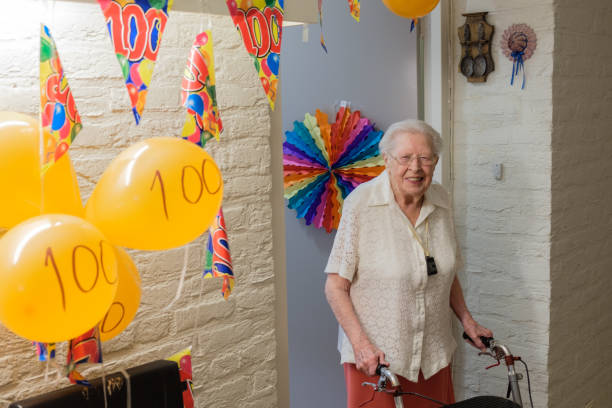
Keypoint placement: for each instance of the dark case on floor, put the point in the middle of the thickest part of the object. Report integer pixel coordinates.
(153, 385)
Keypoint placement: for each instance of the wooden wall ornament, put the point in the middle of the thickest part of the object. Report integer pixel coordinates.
(475, 36)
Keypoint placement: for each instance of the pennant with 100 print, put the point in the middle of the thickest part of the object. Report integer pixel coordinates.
(260, 24)
(135, 28)
(198, 93)
(58, 111)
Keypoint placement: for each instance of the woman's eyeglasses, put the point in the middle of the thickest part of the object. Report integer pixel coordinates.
(425, 161)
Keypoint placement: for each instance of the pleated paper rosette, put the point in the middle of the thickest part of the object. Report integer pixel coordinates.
(324, 162)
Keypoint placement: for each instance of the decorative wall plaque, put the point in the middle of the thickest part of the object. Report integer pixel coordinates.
(518, 43)
(475, 39)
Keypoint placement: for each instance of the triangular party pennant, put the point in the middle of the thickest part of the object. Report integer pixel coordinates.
(135, 28)
(59, 114)
(321, 25)
(355, 8)
(218, 257)
(44, 351)
(198, 93)
(84, 349)
(260, 24)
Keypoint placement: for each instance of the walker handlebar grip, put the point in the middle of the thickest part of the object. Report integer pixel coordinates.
(485, 340)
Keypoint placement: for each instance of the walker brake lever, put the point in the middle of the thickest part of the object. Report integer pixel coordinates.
(363, 384)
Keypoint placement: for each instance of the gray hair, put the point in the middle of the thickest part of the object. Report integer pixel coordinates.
(387, 142)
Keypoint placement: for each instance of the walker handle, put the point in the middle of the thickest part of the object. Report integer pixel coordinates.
(485, 340)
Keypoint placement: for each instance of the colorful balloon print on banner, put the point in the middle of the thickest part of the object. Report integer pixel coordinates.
(355, 8)
(83, 349)
(198, 93)
(260, 24)
(135, 28)
(218, 257)
(58, 111)
(323, 163)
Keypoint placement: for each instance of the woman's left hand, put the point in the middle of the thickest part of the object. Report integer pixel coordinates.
(475, 331)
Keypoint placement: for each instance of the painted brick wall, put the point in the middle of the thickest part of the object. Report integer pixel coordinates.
(504, 226)
(234, 342)
(581, 250)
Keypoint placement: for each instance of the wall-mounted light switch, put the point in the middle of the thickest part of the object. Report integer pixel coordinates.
(498, 171)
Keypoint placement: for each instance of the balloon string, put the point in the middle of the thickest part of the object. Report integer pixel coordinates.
(47, 370)
(179, 290)
(195, 339)
(128, 388)
(104, 386)
(203, 5)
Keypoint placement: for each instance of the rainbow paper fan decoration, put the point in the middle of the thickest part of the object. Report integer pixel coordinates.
(324, 162)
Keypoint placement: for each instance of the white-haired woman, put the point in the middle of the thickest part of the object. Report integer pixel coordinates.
(391, 275)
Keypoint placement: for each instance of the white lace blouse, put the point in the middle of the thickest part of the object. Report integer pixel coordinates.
(404, 312)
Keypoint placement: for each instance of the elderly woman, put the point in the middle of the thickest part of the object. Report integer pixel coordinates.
(391, 275)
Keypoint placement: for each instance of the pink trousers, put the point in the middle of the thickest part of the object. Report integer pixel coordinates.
(439, 387)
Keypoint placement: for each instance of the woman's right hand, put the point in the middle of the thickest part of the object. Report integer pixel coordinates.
(367, 358)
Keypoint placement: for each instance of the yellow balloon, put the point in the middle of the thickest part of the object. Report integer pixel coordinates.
(158, 194)
(127, 299)
(20, 178)
(58, 277)
(411, 9)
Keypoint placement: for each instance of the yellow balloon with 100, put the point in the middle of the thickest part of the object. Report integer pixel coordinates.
(158, 194)
(25, 193)
(411, 9)
(127, 299)
(58, 277)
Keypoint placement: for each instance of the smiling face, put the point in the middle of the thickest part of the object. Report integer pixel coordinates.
(410, 164)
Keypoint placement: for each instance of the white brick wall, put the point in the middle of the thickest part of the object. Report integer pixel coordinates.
(581, 251)
(234, 342)
(504, 226)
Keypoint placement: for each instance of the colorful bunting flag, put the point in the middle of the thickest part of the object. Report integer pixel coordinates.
(183, 360)
(135, 28)
(260, 24)
(355, 8)
(58, 110)
(86, 348)
(44, 351)
(323, 163)
(321, 25)
(218, 257)
(198, 93)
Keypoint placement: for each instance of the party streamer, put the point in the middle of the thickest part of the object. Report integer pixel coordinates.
(355, 8)
(59, 114)
(323, 163)
(260, 25)
(135, 28)
(198, 93)
(218, 257)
